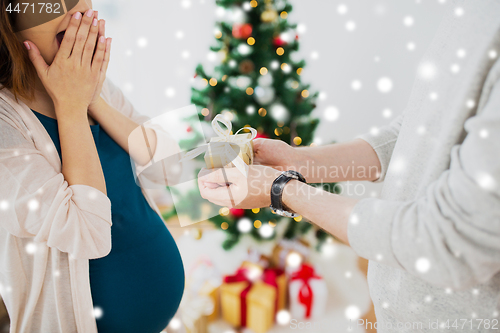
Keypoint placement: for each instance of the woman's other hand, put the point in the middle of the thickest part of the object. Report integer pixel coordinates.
(97, 94)
(230, 188)
(73, 77)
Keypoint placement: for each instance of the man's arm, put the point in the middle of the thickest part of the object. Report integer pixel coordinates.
(355, 160)
(450, 236)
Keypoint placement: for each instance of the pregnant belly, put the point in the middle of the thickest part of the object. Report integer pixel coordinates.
(138, 290)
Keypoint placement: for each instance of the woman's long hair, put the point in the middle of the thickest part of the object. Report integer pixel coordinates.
(17, 73)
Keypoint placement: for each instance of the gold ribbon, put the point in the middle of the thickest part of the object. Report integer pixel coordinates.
(226, 140)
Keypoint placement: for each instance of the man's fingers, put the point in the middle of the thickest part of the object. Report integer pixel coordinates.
(69, 36)
(220, 196)
(82, 34)
(215, 175)
(88, 51)
(36, 58)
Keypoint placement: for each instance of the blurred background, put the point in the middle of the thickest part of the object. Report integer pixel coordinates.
(360, 62)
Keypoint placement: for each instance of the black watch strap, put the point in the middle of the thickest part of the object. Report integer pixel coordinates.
(277, 188)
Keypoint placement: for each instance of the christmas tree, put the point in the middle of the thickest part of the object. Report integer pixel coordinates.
(258, 84)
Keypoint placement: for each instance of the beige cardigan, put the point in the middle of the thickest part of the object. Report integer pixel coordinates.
(49, 230)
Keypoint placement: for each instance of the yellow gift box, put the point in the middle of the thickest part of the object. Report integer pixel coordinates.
(255, 271)
(259, 308)
(253, 304)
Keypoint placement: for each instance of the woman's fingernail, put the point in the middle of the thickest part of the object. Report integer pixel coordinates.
(90, 12)
(77, 15)
(101, 39)
(27, 45)
(94, 22)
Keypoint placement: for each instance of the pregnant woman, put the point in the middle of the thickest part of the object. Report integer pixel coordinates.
(83, 248)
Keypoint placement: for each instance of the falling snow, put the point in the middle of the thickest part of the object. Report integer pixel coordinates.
(294, 260)
(266, 231)
(486, 181)
(342, 9)
(93, 194)
(408, 21)
(350, 25)
(170, 92)
(283, 317)
(179, 34)
(97, 312)
(356, 85)
(455, 68)
(301, 28)
(422, 265)
(387, 113)
(331, 113)
(427, 71)
(175, 324)
(384, 85)
(484, 133)
(459, 11)
(470, 103)
(33, 204)
(142, 42)
(4, 205)
(352, 312)
(397, 164)
(30, 248)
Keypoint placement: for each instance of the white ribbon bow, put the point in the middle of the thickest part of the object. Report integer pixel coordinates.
(226, 140)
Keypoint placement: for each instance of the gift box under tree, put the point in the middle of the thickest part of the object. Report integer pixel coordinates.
(251, 297)
(308, 294)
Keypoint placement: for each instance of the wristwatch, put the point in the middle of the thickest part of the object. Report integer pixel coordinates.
(277, 205)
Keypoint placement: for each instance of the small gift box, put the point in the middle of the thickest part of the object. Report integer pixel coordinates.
(248, 302)
(217, 157)
(290, 254)
(201, 304)
(226, 149)
(308, 294)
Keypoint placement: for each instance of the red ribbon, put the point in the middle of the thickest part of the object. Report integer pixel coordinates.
(305, 273)
(241, 276)
(269, 277)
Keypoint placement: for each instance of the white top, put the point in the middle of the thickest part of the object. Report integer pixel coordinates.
(49, 230)
(433, 237)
